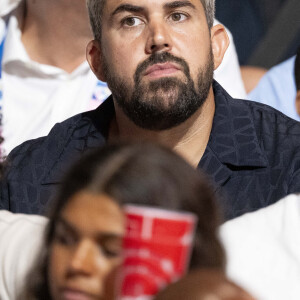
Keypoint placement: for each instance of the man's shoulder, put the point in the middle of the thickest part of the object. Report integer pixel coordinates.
(35, 168)
(254, 154)
(266, 119)
(245, 125)
(65, 140)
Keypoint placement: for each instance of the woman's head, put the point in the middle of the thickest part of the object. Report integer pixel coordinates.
(140, 174)
(86, 246)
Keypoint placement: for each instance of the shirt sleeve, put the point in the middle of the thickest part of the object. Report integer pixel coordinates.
(21, 237)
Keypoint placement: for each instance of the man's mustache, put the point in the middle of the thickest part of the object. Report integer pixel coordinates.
(160, 57)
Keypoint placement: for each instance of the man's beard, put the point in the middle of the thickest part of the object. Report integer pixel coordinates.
(165, 102)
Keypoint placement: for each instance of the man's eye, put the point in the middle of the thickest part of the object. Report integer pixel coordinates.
(177, 17)
(131, 21)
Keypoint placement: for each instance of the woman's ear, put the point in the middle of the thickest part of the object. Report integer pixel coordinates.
(219, 42)
(94, 58)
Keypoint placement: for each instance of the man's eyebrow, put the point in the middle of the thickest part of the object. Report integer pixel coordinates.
(127, 8)
(177, 4)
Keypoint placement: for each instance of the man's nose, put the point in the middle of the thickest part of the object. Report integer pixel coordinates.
(159, 37)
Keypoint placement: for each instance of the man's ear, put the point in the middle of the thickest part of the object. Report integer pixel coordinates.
(298, 102)
(94, 58)
(219, 43)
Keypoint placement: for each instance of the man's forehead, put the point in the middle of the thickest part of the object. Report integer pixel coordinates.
(113, 4)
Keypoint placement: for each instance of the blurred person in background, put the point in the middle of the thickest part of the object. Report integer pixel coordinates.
(204, 284)
(21, 237)
(44, 75)
(297, 80)
(263, 250)
(7, 5)
(228, 74)
(251, 77)
(74, 260)
(278, 87)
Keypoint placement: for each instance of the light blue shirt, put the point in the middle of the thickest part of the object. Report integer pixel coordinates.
(277, 88)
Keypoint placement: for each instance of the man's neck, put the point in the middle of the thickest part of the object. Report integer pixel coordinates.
(55, 32)
(188, 139)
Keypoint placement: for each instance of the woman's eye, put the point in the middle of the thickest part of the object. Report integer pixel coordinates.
(131, 21)
(65, 239)
(177, 17)
(111, 251)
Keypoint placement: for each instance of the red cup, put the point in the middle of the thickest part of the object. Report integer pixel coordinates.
(157, 248)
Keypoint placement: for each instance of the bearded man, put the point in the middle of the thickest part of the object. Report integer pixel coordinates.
(158, 58)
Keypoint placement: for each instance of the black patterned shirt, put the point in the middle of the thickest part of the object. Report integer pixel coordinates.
(253, 156)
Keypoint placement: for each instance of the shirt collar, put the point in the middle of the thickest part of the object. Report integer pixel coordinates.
(233, 142)
(13, 47)
(83, 132)
(233, 139)
(7, 6)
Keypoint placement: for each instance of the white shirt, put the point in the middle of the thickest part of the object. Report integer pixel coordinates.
(263, 250)
(7, 5)
(36, 96)
(21, 237)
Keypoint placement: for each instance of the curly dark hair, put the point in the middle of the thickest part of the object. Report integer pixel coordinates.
(140, 174)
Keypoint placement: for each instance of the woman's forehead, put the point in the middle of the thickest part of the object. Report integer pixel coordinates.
(92, 213)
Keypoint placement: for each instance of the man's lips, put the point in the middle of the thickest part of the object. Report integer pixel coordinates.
(159, 70)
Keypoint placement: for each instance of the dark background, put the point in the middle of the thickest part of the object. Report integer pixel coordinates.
(265, 32)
